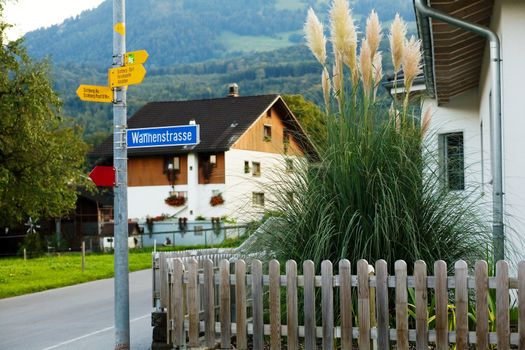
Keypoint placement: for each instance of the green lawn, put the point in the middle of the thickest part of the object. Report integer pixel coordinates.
(19, 277)
(247, 43)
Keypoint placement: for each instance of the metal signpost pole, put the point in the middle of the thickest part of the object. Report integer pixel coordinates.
(121, 188)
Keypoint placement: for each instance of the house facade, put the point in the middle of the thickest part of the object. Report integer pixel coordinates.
(459, 85)
(246, 144)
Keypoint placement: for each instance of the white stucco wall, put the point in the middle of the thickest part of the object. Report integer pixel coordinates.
(239, 186)
(509, 23)
(236, 191)
(459, 115)
(468, 111)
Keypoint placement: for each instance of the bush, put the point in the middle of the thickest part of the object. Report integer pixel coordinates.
(34, 244)
(374, 193)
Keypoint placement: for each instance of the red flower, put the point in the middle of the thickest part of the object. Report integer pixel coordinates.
(175, 201)
(216, 200)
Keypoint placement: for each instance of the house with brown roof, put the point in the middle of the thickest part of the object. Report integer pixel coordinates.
(246, 143)
(461, 63)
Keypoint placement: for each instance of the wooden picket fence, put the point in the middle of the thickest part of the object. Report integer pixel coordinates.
(210, 305)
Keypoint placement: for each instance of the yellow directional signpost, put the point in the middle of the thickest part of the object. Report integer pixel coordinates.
(127, 75)
(130, 73)
(135, 57)
(95, 93)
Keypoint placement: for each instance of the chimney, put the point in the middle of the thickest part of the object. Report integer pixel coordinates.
(233, 90)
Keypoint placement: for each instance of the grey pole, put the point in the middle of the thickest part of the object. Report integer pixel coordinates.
(496, 149)
(120, 162)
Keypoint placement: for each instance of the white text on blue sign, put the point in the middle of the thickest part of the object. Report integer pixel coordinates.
(182, 135)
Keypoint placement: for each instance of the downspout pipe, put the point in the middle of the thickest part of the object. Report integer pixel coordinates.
(498, 232)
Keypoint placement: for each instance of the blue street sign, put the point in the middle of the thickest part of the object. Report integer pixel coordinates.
(164, 136)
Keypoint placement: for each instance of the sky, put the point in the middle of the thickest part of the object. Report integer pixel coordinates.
(29, 15)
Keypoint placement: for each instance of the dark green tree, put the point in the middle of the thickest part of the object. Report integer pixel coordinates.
(311, 117)
(41, 158)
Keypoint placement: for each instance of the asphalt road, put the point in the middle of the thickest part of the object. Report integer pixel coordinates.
(77, 317)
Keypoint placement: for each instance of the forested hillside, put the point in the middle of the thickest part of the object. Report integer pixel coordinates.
(196, 48)
(188, 31)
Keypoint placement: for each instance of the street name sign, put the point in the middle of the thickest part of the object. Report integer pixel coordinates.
(103, 176)
(182, 135)
(135, 57)
(127, 75)
(95, 93)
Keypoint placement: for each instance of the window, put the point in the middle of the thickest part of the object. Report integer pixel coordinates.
(176, 163)
(269, 113)
(213, 159)
(452, 160)
(246, 167)
(286, 140)
(289, 165)
(256, 169)
(258, 198)
(267, 133)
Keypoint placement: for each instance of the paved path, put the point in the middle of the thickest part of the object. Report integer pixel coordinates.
(77, 317)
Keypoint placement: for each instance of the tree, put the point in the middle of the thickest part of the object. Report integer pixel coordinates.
(41, 158)
(312, 119)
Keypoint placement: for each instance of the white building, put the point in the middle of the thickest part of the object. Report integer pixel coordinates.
(246, 144)
(458, 80)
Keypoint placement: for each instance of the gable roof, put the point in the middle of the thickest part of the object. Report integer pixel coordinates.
(453, 56)
(222, 121)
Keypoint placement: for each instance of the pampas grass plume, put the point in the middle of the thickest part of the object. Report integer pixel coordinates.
(373, 32)
(325, 83)
(343, 33)
(411, 61)
(398, 30)
(377, 66)
(315, 38)
(365, 63)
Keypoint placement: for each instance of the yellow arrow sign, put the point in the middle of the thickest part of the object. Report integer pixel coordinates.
(127, 75)
(95, 93)
(135, 57)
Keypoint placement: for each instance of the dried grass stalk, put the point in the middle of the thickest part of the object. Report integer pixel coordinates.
(398, 30)
(314, 35)
(373, 33)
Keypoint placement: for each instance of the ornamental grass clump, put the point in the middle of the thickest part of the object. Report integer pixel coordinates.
(375, 192)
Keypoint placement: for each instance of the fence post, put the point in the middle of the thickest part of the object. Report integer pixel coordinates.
(83, 248)
(345, 297)
(25, 254)
(521, 304)
(177, 304)
(383, 333)
(193, 303)
(275, 304)
(240, 302)
(224, 267)
(461, 273)
(257, 302)
(327, 306)
(482, 311)
(309, 305)
(502, 305)
(420, 276)
(363, 304)
(401, 304)
(440, 273)
(291, 305)
(209, 303)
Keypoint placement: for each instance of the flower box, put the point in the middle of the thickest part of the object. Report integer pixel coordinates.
(175, 201)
